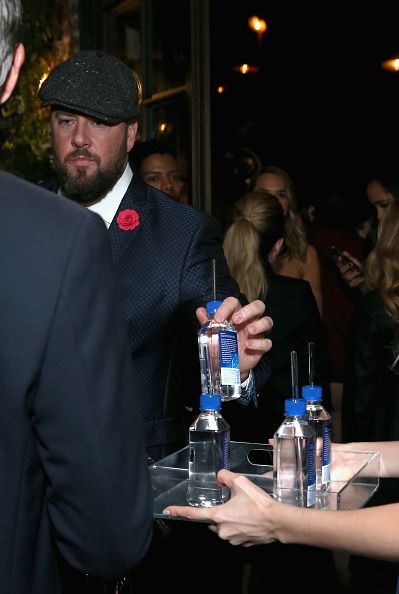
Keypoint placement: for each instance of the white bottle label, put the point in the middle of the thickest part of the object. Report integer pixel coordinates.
(228, 353)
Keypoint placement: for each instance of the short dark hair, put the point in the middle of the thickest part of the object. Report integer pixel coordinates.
(144, 149)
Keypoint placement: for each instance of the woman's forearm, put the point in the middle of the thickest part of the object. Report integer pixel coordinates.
(389, 454)
(371, 532)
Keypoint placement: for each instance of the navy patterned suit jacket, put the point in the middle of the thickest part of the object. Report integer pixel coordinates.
(164, 267)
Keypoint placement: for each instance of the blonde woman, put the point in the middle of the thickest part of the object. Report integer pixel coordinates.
(371, 389)
(298, 259)
(252, 244)
(371, 394)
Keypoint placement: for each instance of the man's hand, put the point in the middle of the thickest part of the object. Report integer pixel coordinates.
(251, 326)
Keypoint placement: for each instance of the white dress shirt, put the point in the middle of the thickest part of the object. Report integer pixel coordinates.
(108, 206)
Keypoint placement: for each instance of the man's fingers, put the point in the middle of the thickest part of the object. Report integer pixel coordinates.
(227, 309)
(261, 326)
(231, 308)
(255, 309)
(261, 345)
(201, 315)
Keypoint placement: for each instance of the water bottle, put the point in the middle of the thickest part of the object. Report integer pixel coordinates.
(294, 471)
(209, 440)
(321, 422)
(218, 355)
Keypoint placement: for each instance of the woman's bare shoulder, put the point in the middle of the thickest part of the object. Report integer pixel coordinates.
(311, 253)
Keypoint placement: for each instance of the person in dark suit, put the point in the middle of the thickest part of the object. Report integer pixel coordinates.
(74, 485)
(252, 242)
(162, 250)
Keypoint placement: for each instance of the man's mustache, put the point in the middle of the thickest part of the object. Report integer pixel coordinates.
(82, 153)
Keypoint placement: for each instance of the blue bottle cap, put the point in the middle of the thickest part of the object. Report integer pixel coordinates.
(210, 402)
(295, 407)
(212, 306)
(312, 393)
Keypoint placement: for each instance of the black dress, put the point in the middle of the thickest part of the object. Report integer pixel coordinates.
(291, 304)
(371, 413)
(296, 322)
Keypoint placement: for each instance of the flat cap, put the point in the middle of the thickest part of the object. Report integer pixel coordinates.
(95, 84)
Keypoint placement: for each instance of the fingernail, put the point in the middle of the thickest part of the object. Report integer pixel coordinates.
(165, 512)
(237, 317)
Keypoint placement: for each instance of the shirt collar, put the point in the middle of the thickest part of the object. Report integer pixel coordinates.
(108, 206)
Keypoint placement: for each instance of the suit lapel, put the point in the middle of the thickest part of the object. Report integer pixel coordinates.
(136, 199)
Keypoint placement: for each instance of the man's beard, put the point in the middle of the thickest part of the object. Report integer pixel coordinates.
(89, 189)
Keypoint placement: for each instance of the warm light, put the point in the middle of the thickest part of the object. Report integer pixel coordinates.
(392, 65)
(44, 76)
(246, 68)
(220, 89)
(163, 126)
(258, 25)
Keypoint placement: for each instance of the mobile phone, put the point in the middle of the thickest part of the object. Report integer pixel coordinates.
(335, 251)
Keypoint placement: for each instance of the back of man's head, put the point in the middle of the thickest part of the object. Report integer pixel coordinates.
(10, 22)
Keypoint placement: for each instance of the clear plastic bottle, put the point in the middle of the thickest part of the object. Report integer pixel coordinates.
(218, 355)
(209, 441)
(294, 471)
(320, 420)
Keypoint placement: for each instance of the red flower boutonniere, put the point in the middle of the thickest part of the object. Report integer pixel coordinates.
(128, 219)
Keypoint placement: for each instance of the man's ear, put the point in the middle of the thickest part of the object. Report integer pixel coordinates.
(13, 73)
(131, 134)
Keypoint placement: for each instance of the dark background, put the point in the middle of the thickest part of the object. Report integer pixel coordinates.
(320, 105)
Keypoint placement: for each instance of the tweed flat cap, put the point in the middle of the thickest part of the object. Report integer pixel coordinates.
(95, 84)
